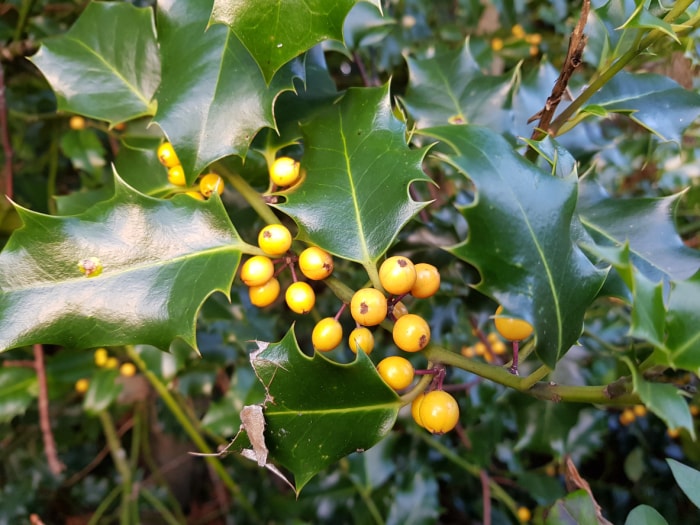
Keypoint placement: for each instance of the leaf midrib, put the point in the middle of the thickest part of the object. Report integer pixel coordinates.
(324, 411)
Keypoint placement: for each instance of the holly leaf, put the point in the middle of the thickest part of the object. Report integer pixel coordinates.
(319, 411)
(132, 269)
(108, 74)
(355, 199)
(18, 390)
(275, 32)
(213, 97)
(683, 325)
(450, 88)
(645, 515)
(688, 480)
(653, 101)
(521, 226)
(646, 224)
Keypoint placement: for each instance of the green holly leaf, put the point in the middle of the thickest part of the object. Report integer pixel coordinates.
(653, 101)
(319, 411)
(683, 325)
(213, 97)
(18, 390)
(521, 226)
(106, 66)
(275, 32)
(645, 515)
(159, 260)
(354, 199)
(646, 224)
(688, 480)
(450, 88)
(102, 392)
(643, 19)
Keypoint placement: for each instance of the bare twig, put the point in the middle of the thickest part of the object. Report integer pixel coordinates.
(485, 496)
(55, 465)
(6, 174)
(577, 42)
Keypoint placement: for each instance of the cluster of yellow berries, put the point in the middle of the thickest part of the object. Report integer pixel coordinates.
(630, 414)
(208, 183)
(494, 346)
(102, 359)
(519, 35)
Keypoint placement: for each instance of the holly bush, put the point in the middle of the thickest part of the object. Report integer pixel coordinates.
(534, 165)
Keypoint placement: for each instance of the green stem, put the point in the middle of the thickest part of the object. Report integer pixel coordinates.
(24, 11)
(117, 452)
(158, 505)
(538, 375)
(249, 193)
(104, 505)
(193, 434)
(367, 500)
(496, 490)
(604, 77)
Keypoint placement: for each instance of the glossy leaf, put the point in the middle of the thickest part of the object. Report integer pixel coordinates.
(106, 66)
(160, 260)
(450, 88)
(18, 390)
(520, 237)
(102, 392)
(646, 224)
(320, 411)
(683, 325)
(688, 480)
(654, 101)
(577, 508)
(355, 199)
(213, 97)
(645, 515)
(275, 32)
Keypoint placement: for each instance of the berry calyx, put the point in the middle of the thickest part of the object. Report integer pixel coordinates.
(396, 371)
(398, 310)
(368, 306)
(327, 334)
(264, 294)
(167, 156)
(361, 338)
(397, 275)
(284, 171)
(274, 239)
(210, 183)
(411, 333)
(316, 264)
(512, 328)
(176, 175)
(257, 270)
(437, 411)
(427, 281)
(300, 297)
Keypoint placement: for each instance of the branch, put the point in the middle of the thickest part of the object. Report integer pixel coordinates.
(6, 174)
(55, 465)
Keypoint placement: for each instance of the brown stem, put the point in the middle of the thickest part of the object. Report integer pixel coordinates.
(485, 496)
(55, 465)
(6, 174)
(577, 42)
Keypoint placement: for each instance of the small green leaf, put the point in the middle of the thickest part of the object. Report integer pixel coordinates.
(645, 515)
(103, 391)
(159, 260)
(320, 411)
(643, 19)
(683, 325)
(106, 66)
(213, 97)
(85, 152)
(18, 390)
(688, 480)
(577, 508)
(520, 237)
(355, 199)
(654, 101)
(275, 32)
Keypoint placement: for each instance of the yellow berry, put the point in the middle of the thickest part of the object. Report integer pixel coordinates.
(468, 351)
(167, 155)
(415, 409)
(497, 44)
(512, 328)
(361, 338)
(127, 369)
(101, 356)
(264, 294)
(112, 362)
(82, 385)
(524, 514)
(274, 239)
(627, 417)
(257, 270)
(518, 31)
(368, 307)
(397, 275)
(315, 263)
(284, 171)
(176, 175)
(76, 122)
(427, 281)
(210, 183)
(195, 195)
(396, 371)
(673, 433)
(694, 410)
(327, 334)
(639, 410)
(411, 333)
(300, 297)
(438, 412)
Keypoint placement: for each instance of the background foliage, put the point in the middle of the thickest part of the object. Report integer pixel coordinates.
(414, 125)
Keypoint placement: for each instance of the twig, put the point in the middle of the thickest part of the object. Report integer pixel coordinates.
(55, 465)
(6, 175)
(485, 496)
(577, 42)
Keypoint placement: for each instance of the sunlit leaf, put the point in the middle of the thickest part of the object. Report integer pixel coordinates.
(688, 480)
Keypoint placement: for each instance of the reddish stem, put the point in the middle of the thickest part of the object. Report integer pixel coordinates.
(514, 366)
(6, 175)
(340, 311)
(55, 464)
(486, 496)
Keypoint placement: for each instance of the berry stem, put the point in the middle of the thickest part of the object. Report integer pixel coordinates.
(340, 311)
(514, 366)
(251, 196)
